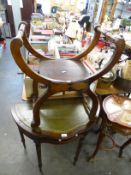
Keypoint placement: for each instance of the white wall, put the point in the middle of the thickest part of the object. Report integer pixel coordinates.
(46, 6)
(16, 13)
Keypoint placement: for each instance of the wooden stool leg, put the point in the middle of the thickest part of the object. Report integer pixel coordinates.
(38, 150)
(37, 105)
(99, 141)
(123, 146)
(35, 91)
(78, 149)
(22, 138)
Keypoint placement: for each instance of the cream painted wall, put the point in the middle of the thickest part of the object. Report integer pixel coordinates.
(16, 13)
(46, 6)
(72, 5)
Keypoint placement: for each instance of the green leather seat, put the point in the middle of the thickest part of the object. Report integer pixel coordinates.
(61, 116)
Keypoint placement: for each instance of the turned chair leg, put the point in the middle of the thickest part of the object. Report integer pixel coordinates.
(123, 146)
(38, 150)
(22, 138)
(78, 149)
(99, 142)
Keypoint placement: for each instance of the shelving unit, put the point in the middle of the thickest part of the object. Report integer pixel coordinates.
(122, 10)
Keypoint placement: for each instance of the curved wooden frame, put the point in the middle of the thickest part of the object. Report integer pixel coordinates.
(60, 86)
(56, 85)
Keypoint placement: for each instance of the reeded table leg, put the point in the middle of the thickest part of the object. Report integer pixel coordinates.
(99, 141)
(38, 150)
(78, 149)
(22, 137)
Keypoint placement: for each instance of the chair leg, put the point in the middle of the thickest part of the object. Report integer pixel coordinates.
(78, 149)
(99, 141)
(22, 138)
(123, 146)
(38, 150)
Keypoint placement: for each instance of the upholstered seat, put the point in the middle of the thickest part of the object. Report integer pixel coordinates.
(61, 116)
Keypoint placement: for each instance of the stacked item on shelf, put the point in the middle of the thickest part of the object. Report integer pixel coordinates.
(40, 30)
(36, 16)
(38, 38)
(37, 22)
(32, 60)
(67, 50)
(39, 25)
(57, 31)
(41, 40)
(127, 70)
(97, 59)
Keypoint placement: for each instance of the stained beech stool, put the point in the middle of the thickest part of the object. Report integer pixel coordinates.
(58, 121)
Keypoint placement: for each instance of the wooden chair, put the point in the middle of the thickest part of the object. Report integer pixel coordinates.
(116, 116)
(58, 121)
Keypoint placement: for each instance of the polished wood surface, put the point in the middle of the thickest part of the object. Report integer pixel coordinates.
(116, 118)
(107, 88)
(10, 19)
(58, 76)
(63, 71)
(26, 12)
(118, 110)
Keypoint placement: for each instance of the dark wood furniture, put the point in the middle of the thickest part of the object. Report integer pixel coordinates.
(116, 118)
(26, 12)
(10, 19)
(58, 121)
